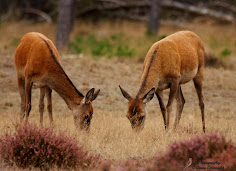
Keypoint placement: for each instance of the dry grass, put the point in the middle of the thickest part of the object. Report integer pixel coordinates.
(111, 134)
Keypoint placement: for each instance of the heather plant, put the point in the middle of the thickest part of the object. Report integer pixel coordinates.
(104, 165)
(226, 158)
(206, 147)
(31, 146)
(195, 148)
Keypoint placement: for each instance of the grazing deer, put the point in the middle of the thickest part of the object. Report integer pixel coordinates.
(37, 62)
(170, 62)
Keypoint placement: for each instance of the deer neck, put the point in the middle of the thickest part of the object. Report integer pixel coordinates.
(57, 79)
(146, 85)
(61, 83)
(150, 75)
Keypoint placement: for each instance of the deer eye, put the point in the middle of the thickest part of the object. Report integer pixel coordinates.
(91, 113)
(86, 117)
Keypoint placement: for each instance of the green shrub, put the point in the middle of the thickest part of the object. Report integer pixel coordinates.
(73, 45)
(115, 45)
(101, 48)
(149, 32)
(124, 51)
(225, 52)
(162, 36)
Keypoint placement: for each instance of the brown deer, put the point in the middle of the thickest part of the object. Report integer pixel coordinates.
(170, 62)
(37, 62)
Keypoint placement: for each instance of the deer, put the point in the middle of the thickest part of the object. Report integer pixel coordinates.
(37, 63)
(170, 62)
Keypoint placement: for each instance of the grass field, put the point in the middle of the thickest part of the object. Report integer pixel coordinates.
(110, 134)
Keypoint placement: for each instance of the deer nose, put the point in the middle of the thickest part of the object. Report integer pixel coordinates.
(88, 122)
(142, 117)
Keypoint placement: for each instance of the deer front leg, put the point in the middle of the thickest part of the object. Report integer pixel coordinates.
(173, 90)
(21, 86)
(159, 95)
(180, 105)
(28, 89)
(198, 85)
(49, 106)
(41, 104)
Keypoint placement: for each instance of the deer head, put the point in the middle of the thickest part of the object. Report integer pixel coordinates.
(83, 112)
(137, 108)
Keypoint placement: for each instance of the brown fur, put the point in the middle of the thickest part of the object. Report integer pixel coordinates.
(173, 61)
(37, 62)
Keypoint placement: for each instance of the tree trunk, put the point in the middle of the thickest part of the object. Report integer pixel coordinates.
(65, 23)
(154, 19)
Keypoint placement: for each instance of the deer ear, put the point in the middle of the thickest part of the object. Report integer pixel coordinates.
(148, 97)
(125, 94)
(89, 95)
(95, 95)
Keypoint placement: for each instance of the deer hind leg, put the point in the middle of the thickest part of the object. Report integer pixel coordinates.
(28, 90)
(180, 105)
(159, 95)
(49, 105)
(41, 104)
(198, 86)
(173, 90)
(21, 86)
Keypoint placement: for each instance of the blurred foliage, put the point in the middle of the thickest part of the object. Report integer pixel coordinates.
(162, 37)
(225, 52)
(117, 44)
(214, 61)
(137, 9)
(113, 45)
(214, 43)
(15, 42)
(109, 47)
(149, 32)
(13, 9)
